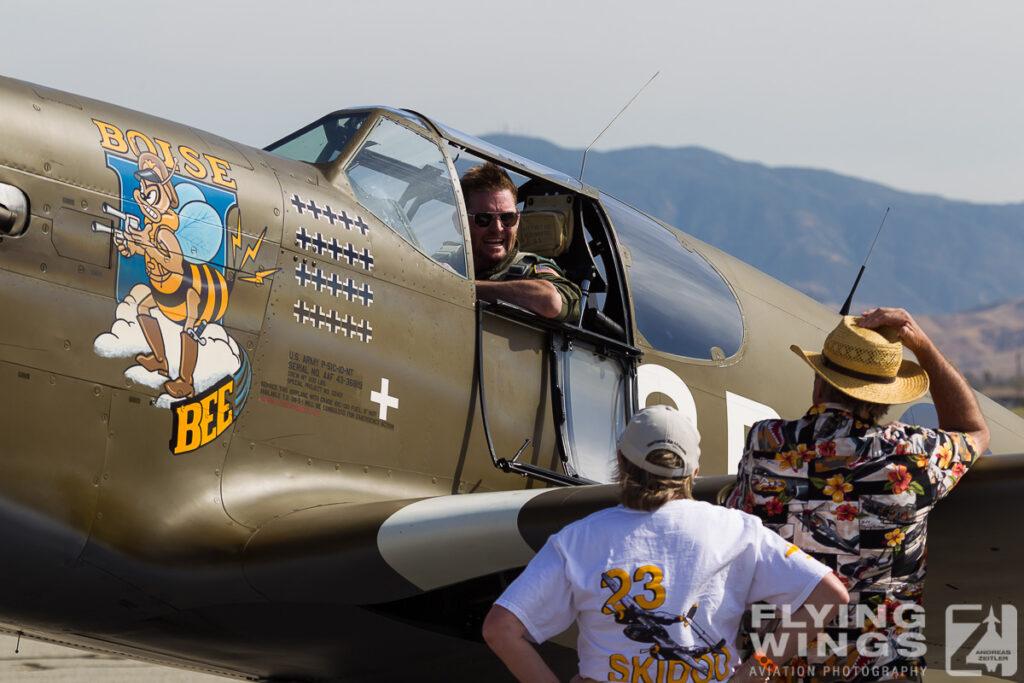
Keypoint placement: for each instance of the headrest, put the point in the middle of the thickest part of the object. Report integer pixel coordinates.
(545, 226)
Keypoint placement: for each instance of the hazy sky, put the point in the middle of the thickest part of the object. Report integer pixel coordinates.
(922, 95)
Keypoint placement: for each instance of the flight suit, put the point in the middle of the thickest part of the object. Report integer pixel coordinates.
(522, 265)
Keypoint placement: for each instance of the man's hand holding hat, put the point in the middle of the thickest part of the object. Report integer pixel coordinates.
(954, 400)
(911, 334)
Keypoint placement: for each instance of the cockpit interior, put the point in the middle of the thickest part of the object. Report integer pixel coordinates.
(643, 284)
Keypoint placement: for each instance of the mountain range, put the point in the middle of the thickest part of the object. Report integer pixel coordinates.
(954, 264)
(986, 344)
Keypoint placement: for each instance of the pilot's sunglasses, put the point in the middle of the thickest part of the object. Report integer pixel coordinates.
(483, 219)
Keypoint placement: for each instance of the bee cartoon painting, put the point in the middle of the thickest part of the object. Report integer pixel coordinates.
(172, 288)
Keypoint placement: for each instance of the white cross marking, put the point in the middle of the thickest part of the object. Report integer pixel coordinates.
(383, 400)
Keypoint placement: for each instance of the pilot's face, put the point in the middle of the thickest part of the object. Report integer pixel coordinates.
(492, 243)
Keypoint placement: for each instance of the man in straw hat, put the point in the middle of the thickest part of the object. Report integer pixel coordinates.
(658, 584)
(856, 494)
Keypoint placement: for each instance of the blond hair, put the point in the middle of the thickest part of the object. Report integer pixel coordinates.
(642, 490)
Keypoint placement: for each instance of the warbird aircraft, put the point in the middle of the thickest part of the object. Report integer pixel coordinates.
(257, 424)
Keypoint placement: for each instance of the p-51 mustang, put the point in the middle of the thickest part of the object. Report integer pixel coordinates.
(256, 422)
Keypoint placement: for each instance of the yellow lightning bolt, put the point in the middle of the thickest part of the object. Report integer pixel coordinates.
(258, 277)
(250, 252)
(236, 236)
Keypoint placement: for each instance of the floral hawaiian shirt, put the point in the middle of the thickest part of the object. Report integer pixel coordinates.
(856, 496)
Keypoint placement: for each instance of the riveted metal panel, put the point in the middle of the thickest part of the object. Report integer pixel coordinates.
(54, 436)
(74, 238)
(157, 506)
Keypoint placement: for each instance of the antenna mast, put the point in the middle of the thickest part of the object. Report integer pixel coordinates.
(845, 310)
(584, 164)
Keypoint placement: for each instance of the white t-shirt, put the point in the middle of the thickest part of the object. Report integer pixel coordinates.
(630, 579)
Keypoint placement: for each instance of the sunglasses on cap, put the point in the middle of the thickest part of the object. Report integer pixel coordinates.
(483, 219)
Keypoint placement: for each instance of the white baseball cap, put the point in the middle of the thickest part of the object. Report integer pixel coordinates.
(661, 428)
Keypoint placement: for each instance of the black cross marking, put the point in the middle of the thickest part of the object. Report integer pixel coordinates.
(349, 327)
(320, 280)
(351, 255)
(329, 214)
(321, 318)
(317, 315)
(314, 209)
(303, 275)
(336, 251)
(334, 284)
(298, 203)
(330, 320)
(352, 329)
(366, 294)
(351, 292)
(345, 219)
(302, 238)
(365, 332)
(320, 244)
(366, 259)
(361, 224)
(301, 312)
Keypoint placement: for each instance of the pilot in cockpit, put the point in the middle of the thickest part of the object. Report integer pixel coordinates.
(502, 271)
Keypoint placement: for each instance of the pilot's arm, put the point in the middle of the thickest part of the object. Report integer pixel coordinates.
(539, 296)
(538, 286)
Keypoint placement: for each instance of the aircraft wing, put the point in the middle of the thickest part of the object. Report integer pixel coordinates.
(411, 546)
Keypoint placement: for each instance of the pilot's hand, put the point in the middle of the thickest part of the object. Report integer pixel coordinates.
(911, 334)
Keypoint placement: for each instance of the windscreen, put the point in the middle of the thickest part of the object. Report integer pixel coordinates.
(320, 142)
(401, 176)
(681, 304)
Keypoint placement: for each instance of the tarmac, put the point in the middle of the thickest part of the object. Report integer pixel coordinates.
(32, 661)
(37, 662)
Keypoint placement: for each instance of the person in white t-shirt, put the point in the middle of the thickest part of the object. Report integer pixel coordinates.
(658, 584)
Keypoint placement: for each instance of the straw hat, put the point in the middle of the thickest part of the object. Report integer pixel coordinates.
(867, 364)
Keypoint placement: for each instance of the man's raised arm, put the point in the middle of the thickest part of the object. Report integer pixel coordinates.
(955, 402)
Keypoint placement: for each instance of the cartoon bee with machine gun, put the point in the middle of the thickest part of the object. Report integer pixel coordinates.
(178, 237)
